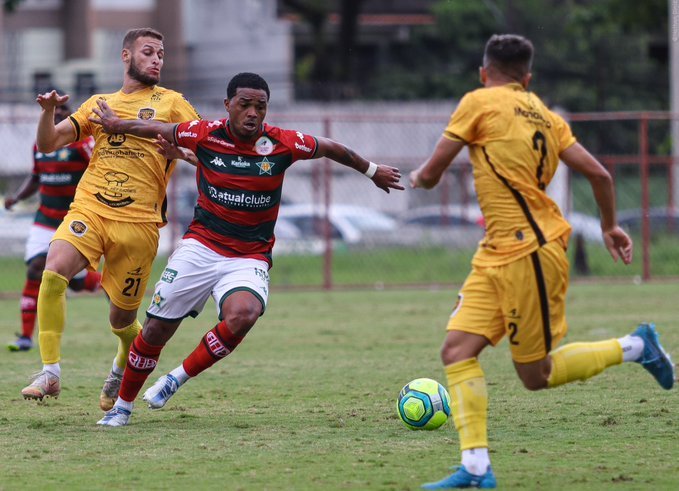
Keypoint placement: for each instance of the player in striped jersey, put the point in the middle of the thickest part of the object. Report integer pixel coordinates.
(517, 286)
(55, 176)
(226, 252)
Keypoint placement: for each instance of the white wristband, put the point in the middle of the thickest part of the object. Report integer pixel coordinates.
(372, 168)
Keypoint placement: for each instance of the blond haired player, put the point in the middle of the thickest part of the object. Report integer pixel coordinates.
(119, 205)
(517, 286)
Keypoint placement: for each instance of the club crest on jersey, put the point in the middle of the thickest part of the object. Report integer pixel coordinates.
(265, 166)
(263, 146)
(77, 228)
(157, 299)
(146, 113)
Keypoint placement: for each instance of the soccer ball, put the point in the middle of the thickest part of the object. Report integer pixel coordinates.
(423, 404)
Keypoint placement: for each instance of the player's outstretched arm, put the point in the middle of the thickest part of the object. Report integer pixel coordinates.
(50, 136)
(111, 123)
(618, 243)
(384, 176)
(429, 173)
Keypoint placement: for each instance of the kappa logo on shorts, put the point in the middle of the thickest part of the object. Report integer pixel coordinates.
(458, 304)
(77, 228)
(168, 275)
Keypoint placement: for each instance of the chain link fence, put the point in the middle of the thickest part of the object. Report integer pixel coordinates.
(337, 230)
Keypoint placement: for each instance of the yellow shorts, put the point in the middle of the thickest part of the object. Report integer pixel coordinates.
(128, 249)
(524, 300)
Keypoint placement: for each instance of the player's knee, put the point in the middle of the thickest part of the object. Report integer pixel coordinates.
(240, 318)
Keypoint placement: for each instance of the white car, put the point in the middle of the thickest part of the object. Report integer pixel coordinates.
(348, 223)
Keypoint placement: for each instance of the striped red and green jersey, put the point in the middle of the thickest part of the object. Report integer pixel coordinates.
(240, 184)
(58, 173)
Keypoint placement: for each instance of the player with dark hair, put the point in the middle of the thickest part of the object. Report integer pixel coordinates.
(226, 252)
(517, 286)
(119, 205)
(55, 176)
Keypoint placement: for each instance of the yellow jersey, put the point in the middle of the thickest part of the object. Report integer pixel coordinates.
(127, 177)
(514, 144)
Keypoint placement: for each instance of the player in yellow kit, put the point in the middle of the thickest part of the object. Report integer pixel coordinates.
(517, 286)
(118, 207)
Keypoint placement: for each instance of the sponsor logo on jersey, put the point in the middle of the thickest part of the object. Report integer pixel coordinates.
(77, 228)
(116, 139)
(219, 141)
(155, 97)
(55, 178)
(192, 124)
(300, 135)
(302, 147)
(215, 345)
(239, 199)
(263, 146)
(265, 166)
(240, 163)
(141, 362)
(214, 123)
(168, 275)
(146, 113)
(534, 116)
(187, 134)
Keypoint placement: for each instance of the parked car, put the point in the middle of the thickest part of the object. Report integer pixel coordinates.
(444, 216)
(348, 223)
(662, 220)
(586, 225)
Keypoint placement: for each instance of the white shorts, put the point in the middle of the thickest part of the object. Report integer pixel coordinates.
(38, 241)
(38, 244)
(194, 272)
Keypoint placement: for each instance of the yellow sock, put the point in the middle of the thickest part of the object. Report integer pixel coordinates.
(580, 361)
(469, 402)
(125, 337)
(51, 315)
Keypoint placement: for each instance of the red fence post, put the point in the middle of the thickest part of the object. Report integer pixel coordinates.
(327, 230)
(645, 216)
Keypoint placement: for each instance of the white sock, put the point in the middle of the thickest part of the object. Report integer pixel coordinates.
(632, 347)
(180, 374)
(124, 404)
(53, 368)
(476, 460)
(116, 369)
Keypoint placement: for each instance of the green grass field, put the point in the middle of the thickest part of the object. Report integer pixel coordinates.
(307, 402)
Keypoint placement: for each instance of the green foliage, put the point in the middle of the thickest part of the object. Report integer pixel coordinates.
(307, 402)
(590, 55)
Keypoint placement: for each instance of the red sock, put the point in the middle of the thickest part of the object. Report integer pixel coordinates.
(141, 362)
(214, 346)
(29, 307)
(92, 281)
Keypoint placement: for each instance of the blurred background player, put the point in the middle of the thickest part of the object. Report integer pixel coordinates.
(519, 279)
(119, 205)
(55, 175)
